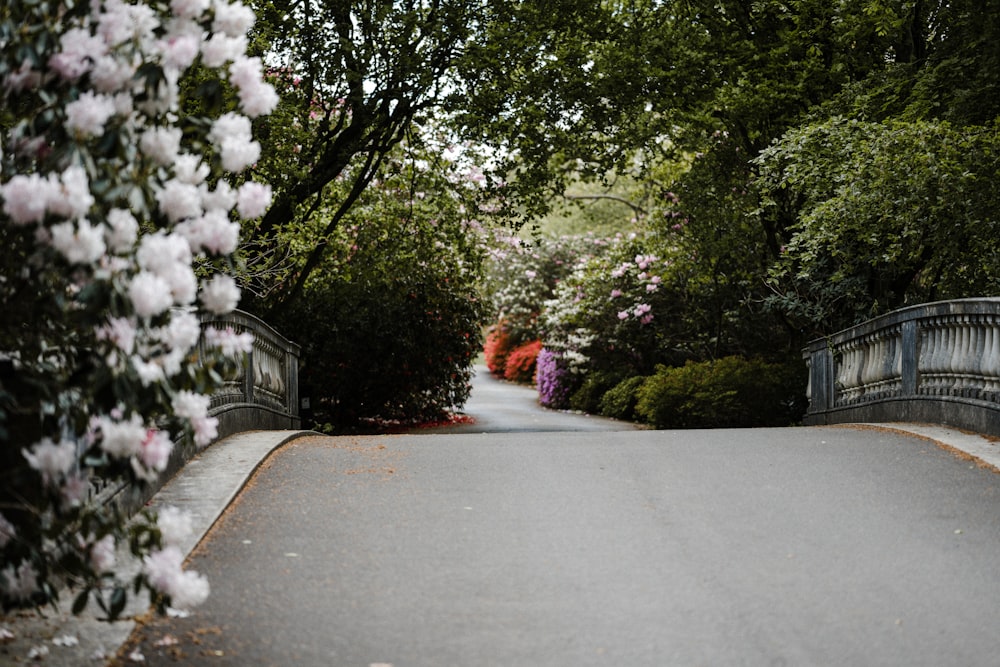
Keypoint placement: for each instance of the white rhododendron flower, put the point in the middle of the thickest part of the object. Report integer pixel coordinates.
(161, 144)
(52, 460)
(174, 524)
(121, 438)
(150, 294)
(88, 114)
(190, 405)
(253, 199)
(102, 554)
(123, 230)
(79, 243)
(220, 294)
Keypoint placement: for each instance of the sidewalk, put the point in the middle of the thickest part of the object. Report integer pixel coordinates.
(204, 487)
(207, 485)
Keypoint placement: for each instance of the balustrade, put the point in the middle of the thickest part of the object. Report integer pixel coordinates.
(935, 362)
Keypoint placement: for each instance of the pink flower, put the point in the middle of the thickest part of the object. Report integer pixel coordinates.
(615, 293)
(622, 314)
(154, 452)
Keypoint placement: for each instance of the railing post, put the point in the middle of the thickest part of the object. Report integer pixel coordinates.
(911, 354)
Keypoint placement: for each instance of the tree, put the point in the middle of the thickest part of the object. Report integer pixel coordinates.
(356, 78)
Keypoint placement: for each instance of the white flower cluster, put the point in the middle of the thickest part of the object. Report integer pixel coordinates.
(163, 568)
(123, 63)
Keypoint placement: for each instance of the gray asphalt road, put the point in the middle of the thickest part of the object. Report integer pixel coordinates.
(503, 407)
(813, 546)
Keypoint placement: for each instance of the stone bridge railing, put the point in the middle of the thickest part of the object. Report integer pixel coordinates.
(265, 395)
(937, 362)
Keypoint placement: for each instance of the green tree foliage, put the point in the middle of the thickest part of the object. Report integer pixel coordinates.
(391, 321)
(889, 212)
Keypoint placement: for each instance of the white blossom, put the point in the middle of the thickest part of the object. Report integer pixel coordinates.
(252, 200)
(175, 525)
(233, 19)
(189, 9)
(190, 169)
(190, 405)
(206, 429)
(19, 583)
(229, 342)
(150, 294)
(161, 144)
(219, 49)
(88, 114)
(102, 555)
(7, 531)
(69, 194)
(52, 460)
(179, 200)
(120, 331)
(25, 198)
(122, 438)
(220, 294)
(79, 243)
(123, 230)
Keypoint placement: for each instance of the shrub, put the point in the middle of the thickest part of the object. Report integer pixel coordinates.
(728, 392)
(378, 352)
(619, 401)
(521, 363)
(496, 349)
(588, 397)
(555, 382)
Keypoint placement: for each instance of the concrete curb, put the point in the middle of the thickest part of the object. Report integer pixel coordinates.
(205, 487)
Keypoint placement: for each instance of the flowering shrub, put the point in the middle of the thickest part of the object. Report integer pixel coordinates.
(496, 349)
(521, 362)
(117, 226)
(554, 380)
(523, 277)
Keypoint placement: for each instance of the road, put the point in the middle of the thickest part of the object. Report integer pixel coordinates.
(805, 546)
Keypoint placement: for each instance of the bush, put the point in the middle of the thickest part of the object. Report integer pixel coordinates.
(726, 393)
(496, 349)
(521, 363)
(555, 381)
(588, 397)
(377, 352)
(619, 401)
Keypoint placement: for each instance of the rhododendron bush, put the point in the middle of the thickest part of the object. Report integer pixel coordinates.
(117, 226)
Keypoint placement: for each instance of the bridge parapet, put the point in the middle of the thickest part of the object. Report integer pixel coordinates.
(936, 362)
(265, 394)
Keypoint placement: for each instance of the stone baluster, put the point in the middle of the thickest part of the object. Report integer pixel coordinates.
(991, 360)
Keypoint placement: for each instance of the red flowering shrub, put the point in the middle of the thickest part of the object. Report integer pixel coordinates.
(496, 349)
(521, 362)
